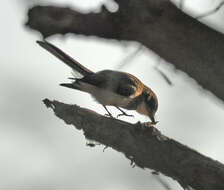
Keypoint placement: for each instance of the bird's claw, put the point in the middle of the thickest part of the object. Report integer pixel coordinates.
(124, 114)
(149, 123)
(108, 115)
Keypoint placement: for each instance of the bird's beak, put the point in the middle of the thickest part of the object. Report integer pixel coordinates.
(153, 120)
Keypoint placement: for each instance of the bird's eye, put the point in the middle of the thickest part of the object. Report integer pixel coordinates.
(149, 98)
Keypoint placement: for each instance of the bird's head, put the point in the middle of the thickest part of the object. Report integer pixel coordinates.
(148, 106)
(151, 106)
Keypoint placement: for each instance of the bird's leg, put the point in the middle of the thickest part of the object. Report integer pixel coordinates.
(123, 113)
(108, 113)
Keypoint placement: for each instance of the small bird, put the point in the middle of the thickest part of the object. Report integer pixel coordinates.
(109, 87)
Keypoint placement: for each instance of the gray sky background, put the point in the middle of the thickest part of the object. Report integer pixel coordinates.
(38, 151)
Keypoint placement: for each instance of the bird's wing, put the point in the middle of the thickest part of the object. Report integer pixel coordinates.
(95, 79)
(123, 84)
(126, 90)
(129, 86)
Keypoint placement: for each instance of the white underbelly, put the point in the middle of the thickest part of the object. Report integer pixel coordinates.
(109, 98)
(105, 97)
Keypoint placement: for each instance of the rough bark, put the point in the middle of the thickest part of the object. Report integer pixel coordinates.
(178, 38)
(145, 146)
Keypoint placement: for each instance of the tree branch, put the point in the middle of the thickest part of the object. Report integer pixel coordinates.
(145, 146)
(178, 38)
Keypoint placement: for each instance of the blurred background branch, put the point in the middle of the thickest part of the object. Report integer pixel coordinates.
(216, 9)
(160, 26)
(129, 58)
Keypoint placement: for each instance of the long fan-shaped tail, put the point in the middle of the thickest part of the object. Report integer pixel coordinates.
(75, 65)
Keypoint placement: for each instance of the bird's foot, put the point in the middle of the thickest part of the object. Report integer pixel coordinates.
(124, 114)
(149, 123)
(108, 115)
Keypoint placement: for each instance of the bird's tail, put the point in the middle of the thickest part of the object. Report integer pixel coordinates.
(75, 65)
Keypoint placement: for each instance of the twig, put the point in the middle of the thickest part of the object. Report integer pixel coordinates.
(211, 11)
(164, 76)
(130, 57)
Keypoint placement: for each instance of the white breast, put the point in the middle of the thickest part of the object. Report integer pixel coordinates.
(104, 96)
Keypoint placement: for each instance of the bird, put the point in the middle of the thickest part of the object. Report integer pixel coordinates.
(109, 87)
